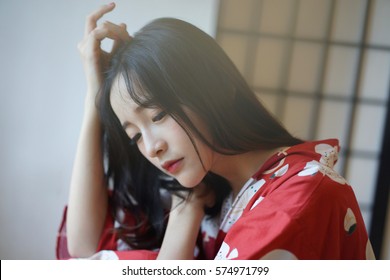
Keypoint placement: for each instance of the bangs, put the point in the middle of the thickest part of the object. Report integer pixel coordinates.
(137, 90)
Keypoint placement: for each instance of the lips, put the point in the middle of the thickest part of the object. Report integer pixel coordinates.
(173, 165)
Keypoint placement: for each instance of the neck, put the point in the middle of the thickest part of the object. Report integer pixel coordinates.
(237, 169)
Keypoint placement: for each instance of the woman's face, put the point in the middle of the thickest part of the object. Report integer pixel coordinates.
(161, 139)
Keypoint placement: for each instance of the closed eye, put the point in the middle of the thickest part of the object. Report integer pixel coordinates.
(135, 139)
(159, 116)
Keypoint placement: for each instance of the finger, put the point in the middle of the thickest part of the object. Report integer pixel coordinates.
(117, 43)
(112, 31)
(125, 35)
(91, 21)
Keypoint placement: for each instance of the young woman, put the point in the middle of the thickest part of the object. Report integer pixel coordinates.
(172, 96)
(93, 204)
(95, 207)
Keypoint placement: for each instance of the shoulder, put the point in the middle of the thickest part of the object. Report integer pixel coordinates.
(304, 176)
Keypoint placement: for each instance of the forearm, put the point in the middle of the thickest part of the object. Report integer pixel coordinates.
(87, 206)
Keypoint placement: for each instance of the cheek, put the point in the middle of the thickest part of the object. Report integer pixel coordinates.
(198, 150)
(176, 137)
(206, 155)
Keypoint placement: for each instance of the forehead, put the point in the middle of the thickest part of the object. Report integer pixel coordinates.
(127, 87)
(119, 94)
(122, 104)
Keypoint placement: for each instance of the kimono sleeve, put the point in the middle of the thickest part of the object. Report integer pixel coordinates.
(107, 247)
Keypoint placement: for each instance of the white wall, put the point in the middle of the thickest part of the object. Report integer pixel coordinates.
(42, 88)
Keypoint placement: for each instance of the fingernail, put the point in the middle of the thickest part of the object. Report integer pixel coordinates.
(111, 4)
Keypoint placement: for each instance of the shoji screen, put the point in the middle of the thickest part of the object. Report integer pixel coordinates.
(323, 68)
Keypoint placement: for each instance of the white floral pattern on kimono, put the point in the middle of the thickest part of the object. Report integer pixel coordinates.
(225, 253)
(325, 165)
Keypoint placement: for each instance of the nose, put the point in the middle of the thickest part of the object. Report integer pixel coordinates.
(154, 146)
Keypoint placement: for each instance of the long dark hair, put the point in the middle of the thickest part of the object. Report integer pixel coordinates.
(135, 183)
(173, 65)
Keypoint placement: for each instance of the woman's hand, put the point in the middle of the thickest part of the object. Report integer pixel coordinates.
(194, 201)
(184, 223)
(95, 59)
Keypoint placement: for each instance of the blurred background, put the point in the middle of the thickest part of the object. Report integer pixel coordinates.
(321, 66)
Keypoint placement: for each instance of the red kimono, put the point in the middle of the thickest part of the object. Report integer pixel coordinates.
(295, 207)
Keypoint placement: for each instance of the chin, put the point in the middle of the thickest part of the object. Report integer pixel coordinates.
(189, 182)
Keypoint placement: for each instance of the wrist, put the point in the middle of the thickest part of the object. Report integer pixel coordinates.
(187, 212)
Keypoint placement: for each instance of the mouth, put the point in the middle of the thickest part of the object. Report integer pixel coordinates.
(173, 165)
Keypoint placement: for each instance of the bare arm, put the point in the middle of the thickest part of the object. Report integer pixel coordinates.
(87, 205)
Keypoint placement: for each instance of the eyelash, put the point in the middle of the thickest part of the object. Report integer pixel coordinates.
(159, 116)
(156, 118)
(135, 139)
